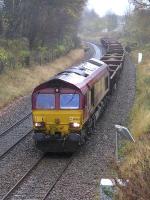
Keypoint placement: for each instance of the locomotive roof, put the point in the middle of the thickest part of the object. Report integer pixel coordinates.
(81, 76)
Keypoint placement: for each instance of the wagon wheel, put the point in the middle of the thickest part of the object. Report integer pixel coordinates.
(94, 123)
(83, 136)
(91, 125)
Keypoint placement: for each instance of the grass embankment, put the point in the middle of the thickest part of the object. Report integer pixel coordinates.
(140, 115)
(21, 81)
(136, 164)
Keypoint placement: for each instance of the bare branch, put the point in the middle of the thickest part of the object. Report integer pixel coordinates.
(141, 3)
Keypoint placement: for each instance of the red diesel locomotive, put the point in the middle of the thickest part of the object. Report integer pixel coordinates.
(66, 107)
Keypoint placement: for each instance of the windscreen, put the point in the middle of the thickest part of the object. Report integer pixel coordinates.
(69, 101)
(45, 101)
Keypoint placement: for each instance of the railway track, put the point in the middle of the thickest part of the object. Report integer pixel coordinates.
(15, 125)
(5, 152)
(14, 135)
(57, 180)
(6, 197)
(93, 52)
(40, 190)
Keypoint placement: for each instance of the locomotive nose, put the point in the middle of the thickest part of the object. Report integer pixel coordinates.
(59, 121)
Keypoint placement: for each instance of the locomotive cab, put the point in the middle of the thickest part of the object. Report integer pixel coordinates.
(57, 115)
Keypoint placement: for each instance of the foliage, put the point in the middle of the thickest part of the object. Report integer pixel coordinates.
(141, 4)
(36, 31)
(140, 115)
(88, 26)
(3, 55)
(108, 191)
(24, 53)
(111, 21)
(41, 22)
(92, 24)
(137, 26)
(15, 52)
(135, 171)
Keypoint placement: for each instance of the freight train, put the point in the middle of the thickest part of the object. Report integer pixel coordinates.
(66, 107)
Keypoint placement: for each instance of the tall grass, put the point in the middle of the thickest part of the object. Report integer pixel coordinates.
(21, 81)
(136, 164)
(136, 171)
(140, 114)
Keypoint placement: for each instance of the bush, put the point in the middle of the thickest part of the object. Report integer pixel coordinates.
(60, 49)
(3, 58)
(16, 53)
(25, 57)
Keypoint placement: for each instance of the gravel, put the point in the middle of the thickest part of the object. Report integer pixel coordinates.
(14, 112)
(17, 163)
(37, 184)
(14, 135)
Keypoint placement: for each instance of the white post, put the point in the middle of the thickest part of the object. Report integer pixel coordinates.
(139, 58)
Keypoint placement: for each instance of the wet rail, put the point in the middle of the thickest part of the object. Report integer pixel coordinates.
(22, 188)
(15, 124)
(57, 180)
(3, 154)
(6, 197)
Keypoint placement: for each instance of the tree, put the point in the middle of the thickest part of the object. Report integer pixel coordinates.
(137, 26)
(141, 4)
(111, 21)
(42, 21)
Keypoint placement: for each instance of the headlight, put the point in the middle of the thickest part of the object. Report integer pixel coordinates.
(39, 124)
(74, 125)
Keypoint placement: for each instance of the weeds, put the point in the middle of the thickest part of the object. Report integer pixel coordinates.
(140, 115)
(135, 169)
(135, 166)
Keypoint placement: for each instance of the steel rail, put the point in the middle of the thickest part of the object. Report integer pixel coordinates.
(8, 150)
(6, 197)
(58, 179)
(14, 125)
